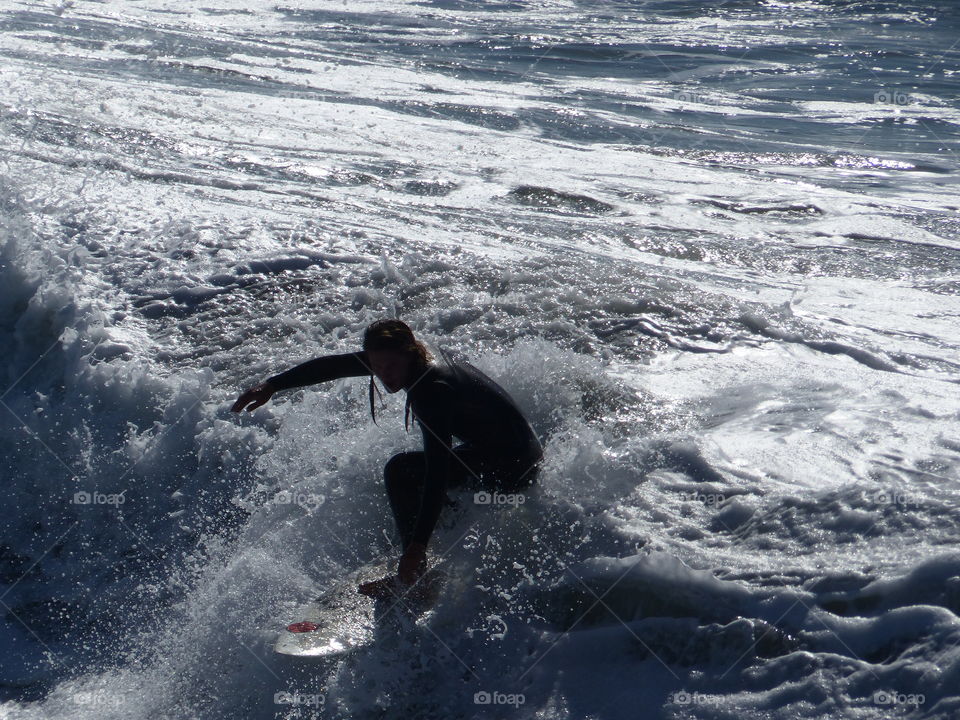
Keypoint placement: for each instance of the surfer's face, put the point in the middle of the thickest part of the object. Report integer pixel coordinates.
(391, 367)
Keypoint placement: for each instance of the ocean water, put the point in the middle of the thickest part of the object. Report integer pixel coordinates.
(711, 248)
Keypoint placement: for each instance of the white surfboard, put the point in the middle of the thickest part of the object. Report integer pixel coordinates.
(342, 620)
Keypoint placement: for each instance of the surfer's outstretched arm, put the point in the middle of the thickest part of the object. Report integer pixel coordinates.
(321, 369)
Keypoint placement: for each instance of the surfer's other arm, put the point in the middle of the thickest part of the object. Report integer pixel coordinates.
(321, 369)
(433, 408)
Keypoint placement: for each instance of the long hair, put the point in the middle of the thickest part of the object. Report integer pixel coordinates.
(393, 334)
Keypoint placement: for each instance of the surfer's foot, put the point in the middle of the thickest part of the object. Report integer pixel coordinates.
(390, 587)
(385, 587)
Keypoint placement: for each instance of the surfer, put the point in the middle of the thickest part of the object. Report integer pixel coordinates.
(499, 451)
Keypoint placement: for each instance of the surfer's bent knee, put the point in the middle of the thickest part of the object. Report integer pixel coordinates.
(402, 464)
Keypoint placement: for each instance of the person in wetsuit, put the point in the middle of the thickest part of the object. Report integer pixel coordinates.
(499, 451)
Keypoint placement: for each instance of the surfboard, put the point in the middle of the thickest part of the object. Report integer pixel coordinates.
(342, 620)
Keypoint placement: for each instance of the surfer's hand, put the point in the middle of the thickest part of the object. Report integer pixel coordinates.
(254, 397)
(413, 563)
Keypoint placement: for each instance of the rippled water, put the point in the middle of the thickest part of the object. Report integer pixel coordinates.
(710, 248)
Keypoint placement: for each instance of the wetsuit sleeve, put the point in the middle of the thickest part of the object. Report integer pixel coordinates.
(433, 413)
(321, 369)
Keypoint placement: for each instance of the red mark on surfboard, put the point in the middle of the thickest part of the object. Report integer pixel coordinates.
(305, 626)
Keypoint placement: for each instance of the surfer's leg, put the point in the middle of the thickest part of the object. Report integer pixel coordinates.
(519, 473)
(403, 476)
(483, 469)
(467, 468)
(473, 468)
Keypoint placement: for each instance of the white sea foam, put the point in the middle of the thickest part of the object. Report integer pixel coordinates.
(712, 259)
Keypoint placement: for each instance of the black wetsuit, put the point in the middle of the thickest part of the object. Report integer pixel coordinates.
(499, 452)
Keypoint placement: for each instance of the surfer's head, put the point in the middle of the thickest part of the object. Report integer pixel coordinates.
(396, 357)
